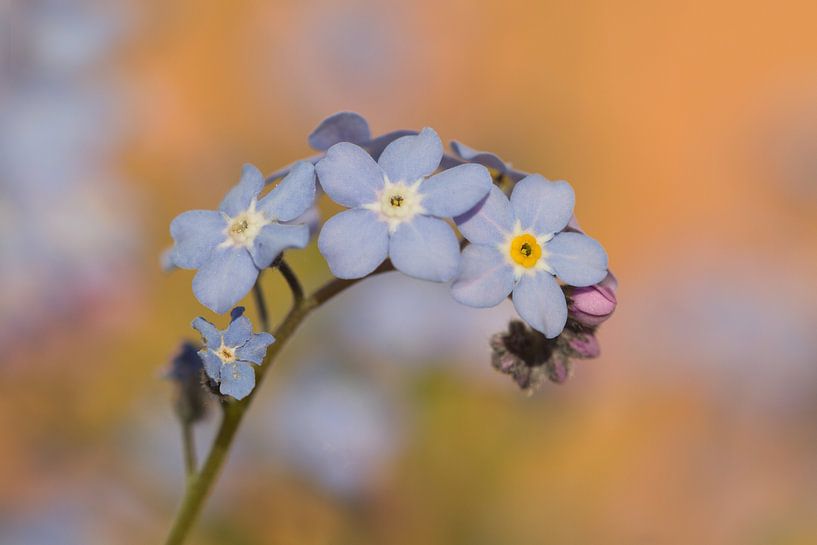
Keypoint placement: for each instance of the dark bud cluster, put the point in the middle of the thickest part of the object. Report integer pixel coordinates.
(530, 358)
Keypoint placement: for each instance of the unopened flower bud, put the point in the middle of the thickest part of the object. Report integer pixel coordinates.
(592, 305)
(186, 371)
(529, 357)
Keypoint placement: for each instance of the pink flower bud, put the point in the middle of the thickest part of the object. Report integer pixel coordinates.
(592, 305)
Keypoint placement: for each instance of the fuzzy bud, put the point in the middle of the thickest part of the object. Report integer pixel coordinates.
(186, 371)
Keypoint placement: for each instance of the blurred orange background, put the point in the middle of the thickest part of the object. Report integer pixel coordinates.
(689, 131)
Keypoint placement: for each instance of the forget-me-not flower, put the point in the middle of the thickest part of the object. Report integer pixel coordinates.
(230, 246)
(227, 354)
(396, 208)
(518, 246)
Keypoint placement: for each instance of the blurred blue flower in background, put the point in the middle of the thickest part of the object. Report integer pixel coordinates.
(58, 131)
(337, 429)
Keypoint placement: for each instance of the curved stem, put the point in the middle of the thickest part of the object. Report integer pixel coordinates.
(292, 281)
(261, 304)
(200, 484)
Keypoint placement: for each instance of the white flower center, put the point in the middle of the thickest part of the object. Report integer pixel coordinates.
(244, 227)
(521, 257)
(225, 353)
(397, 202)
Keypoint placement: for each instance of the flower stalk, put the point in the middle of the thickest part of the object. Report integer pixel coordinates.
(199, 484)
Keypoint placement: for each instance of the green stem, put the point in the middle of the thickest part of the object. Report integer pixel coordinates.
(200, 484)
(189, 446)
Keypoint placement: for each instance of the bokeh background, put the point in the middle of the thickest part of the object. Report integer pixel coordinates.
(689, 131)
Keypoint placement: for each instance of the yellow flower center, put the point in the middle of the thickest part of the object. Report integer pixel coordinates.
(525, 250)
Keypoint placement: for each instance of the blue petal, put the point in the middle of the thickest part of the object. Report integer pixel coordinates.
(166, 260)
(240, 196)
(485, 278)
(354, 243)
(540, 301)
(255, 349)
(227, 277)
(577, 259)
(425, 248)
(196, 233)
(212, 363)
(238, 332)
(292, 196)
(237, 379)
(455, 191)
(542, 206)
(490, 160)
(340, 127)
(274, 239)
(209, 332)
(410, 158)
(490, 221)
(349, 175)
(376, 146)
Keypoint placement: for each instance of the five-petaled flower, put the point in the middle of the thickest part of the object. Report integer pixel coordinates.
(230, 246)
(227, 354)
(518, 246)
(396, 208)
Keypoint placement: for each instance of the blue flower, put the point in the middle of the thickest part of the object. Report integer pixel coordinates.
(518, 246)
(227, 354)
(395, 209)
(230, 246)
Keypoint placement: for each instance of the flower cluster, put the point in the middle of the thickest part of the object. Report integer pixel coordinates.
(403, 197)
(530, 358)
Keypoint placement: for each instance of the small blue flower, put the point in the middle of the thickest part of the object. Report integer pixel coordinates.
(518, 246)
(227, 354)
(395, 208)
(230, 246)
